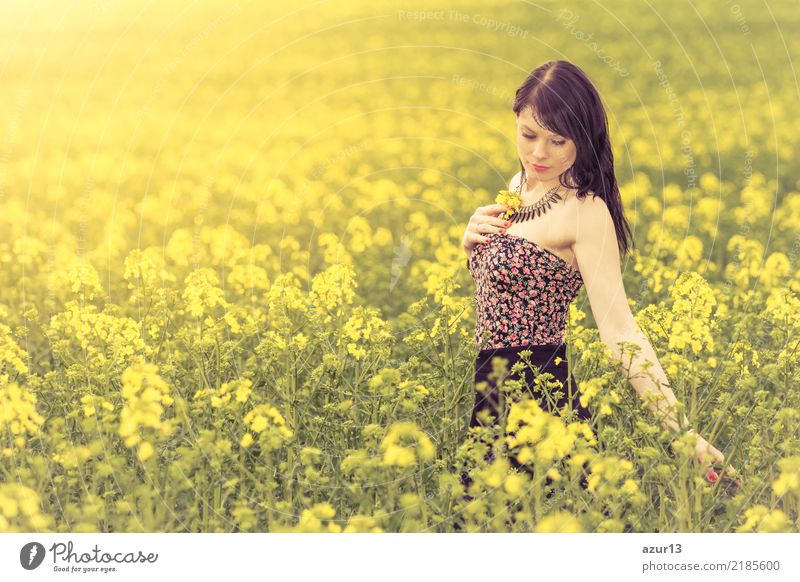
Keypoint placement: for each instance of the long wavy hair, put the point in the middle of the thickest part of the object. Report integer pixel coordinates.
(564, 101)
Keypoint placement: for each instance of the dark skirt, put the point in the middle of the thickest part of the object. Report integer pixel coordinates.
(543, 357)
(489, 400)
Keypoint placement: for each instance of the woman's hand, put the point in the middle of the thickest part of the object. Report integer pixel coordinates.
(485, 220)
(708, 455)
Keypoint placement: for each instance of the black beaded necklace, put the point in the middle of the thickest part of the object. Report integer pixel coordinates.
(537, 208)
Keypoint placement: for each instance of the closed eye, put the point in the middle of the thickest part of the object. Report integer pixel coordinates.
(555, 142)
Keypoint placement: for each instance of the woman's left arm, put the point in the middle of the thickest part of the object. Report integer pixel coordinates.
(597, 253)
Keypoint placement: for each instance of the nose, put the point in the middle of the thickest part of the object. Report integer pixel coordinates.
(540, 151)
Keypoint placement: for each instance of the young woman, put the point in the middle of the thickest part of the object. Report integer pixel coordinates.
(567, 233)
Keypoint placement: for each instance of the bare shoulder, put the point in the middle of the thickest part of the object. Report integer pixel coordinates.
(514, 183)
(591, 207)
(592, 217)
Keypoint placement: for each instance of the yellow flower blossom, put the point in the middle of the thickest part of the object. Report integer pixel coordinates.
(18, 415)
(405, 443)
(761, 519)
(365, 329)
(269, 425)
(789, 478)
(20, 510)
(146, 396)
(201, 293)
(332, 289)
(559, 522)
(512, 199)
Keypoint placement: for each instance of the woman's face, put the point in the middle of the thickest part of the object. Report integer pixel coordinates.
(545, 155)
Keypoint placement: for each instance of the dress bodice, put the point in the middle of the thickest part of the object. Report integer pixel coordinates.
(522, 292)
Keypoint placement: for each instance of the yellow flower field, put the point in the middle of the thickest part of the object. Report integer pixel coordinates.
(234, 299)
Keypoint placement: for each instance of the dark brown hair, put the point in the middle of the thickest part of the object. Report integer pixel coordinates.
(564, 101)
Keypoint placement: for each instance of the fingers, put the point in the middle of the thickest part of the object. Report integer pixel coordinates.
(474, 236)
(487, 223)
(493, 209)
(712, 460)
(486, 220)
(493, 225)
(477, 228)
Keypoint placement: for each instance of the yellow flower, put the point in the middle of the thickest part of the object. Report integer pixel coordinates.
(284, 294)
(630, 486)
(146, 395)
(18, 413)
(760, 519)
(201, 293)
(513, 485)
(590, 388)
(145, 451)
(19, 510)
(311, 519)
(360, 523)
(512, 199)
(404, 443)
(365, 329)
(525, 455)
(528, 424)
(333, 289)
(554, 474)
(399, 456)
(269, 424)
(559, 522)
(789, 479)
(691, 325)
(88, 406)
(259, 424)
(85, 280)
